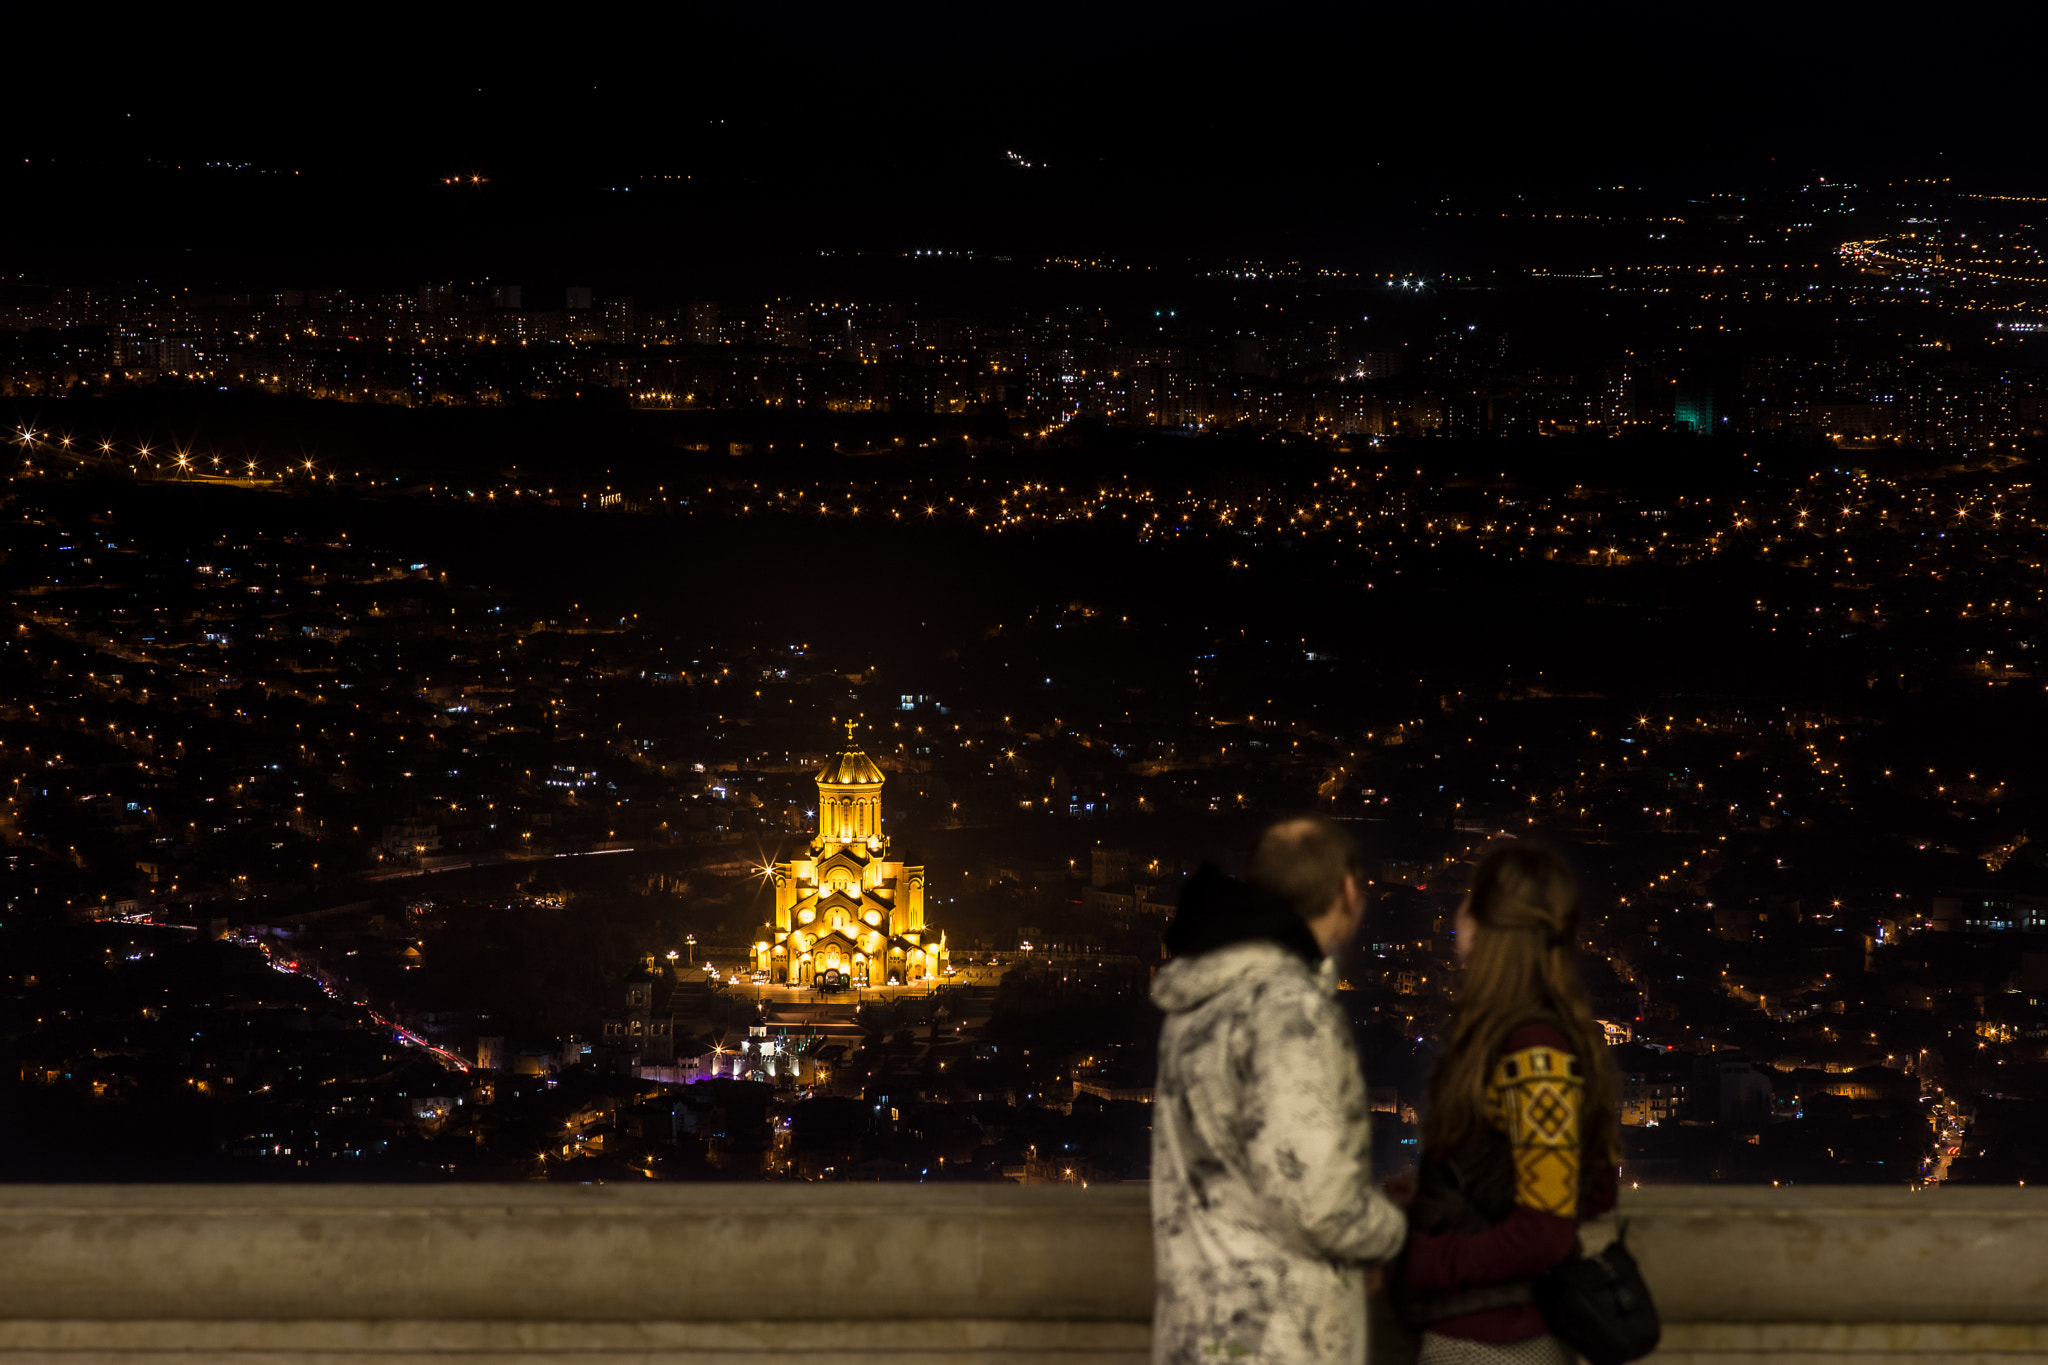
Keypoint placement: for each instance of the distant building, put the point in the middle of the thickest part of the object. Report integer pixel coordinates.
(1989, 912)
(1727, 1089)
(1734, 922)
(789, 325)
(619, 322)
(1692, 409)
(409, 840)
(1652, 1083)
(506, 296)
(700, 323)
(1122, 900)
(1647, 1101)
(578, 297)
(1107, 866)
(645, 1030)
(1622, 380)
(1132, 1094)
(845, 914)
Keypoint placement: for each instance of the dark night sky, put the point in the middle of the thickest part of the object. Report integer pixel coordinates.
(1192, 124)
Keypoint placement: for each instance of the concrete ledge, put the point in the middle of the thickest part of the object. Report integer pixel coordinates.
(1842, 1254)
(862, 1275)
(346, 1342)
(1914, 1343)
(576, 1254)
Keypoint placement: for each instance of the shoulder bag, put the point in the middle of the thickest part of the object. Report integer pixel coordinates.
(1599, 1305)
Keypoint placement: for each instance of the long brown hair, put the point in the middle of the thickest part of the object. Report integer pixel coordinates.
(1526, 904)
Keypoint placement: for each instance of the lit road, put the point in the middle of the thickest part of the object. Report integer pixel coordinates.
(399, 1032)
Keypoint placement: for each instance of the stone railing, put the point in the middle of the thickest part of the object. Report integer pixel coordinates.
(847, 1275)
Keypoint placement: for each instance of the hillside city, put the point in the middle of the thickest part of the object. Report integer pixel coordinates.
(408, 694)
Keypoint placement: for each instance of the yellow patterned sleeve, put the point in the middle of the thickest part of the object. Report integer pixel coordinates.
(1535, 1096)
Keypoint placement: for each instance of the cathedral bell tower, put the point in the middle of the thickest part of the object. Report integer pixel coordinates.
(850, 798)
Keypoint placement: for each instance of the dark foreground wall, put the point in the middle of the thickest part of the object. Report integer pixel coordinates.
(848, 1275)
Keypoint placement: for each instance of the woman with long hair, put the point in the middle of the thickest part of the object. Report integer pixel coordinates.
(1520, 1139)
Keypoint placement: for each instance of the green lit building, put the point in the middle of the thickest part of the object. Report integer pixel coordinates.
(1692, 409)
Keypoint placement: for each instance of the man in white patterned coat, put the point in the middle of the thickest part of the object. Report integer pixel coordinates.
(1264, 1213)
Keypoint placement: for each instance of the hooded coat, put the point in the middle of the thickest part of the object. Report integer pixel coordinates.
(1264, 1212)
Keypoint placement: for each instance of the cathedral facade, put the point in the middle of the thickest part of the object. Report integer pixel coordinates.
(845, 915)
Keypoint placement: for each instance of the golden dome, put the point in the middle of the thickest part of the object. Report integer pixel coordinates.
(849, 767)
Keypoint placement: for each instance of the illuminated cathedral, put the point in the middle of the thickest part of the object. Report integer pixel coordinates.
(845, 915)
